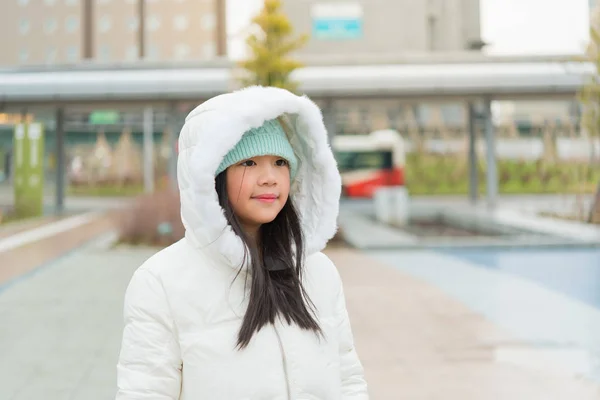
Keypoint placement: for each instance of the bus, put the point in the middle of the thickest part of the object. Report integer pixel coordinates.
(368, 162)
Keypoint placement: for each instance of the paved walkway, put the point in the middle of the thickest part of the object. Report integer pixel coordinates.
(26, 246)
(61, 327)
(417, 338)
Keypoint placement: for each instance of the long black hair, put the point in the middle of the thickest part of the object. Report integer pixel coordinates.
(276, 266)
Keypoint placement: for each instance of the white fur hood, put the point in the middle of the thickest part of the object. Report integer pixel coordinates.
(214, 127)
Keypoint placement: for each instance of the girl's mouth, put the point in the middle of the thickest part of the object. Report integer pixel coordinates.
(267, 198)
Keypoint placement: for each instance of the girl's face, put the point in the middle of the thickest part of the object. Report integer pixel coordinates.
(258, 188)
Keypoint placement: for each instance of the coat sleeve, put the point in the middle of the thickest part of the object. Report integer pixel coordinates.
(149, 365)
(354, 385)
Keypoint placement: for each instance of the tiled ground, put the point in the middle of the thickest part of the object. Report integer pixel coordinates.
(61, 328)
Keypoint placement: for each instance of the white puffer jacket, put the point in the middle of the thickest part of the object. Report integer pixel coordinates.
(183, 308)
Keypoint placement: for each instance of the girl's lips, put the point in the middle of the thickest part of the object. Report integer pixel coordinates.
(267, 198)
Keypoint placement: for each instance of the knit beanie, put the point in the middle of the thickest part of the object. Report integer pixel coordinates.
(268, 139)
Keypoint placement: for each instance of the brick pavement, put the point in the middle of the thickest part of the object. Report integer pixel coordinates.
(418, 343)
(61, 334)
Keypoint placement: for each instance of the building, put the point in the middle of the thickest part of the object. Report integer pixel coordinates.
(384, 27)
(110, 31)
(593, 11)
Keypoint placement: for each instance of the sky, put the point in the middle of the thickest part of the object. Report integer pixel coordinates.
(510, 26)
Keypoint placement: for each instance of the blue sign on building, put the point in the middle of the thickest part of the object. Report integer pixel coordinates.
(337, 21)
(337, 28)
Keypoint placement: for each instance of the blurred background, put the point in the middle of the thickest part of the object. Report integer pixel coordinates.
(467, 133)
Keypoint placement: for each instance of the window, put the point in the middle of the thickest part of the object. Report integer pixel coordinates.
(50, 25)
(393, 115)
(453, 114)
(208, 50)
(180, 22)
(133, 24)
(104, 53)
(23, 3)
(72, 54)
(24, 26)
(353, 160)
(23, 55)
(208, 21)
(365, 119)
(132, 53)
(105, 24)
(51, 55)
(72, 2)
(182, 51)
(153, 23)
(422, 114)
(72, 23)
(153, 53)
(432, 30)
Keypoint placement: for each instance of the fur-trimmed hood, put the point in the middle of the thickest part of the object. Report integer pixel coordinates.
(214, 127)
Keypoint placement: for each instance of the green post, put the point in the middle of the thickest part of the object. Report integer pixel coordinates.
(29, 169)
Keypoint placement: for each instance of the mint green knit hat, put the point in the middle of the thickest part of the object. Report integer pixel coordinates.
(267, 139)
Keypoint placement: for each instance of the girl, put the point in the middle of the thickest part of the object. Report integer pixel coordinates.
(245, 306)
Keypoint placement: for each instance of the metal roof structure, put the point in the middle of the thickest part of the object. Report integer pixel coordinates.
(112, 84)
(478, 79)
(156, 84)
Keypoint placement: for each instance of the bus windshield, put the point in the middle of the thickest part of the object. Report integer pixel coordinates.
(357, 160)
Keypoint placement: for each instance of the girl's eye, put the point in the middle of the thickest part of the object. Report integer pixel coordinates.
(248, 163)
(281, 162)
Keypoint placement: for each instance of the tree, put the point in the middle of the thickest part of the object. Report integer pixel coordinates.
(269, 63)
(589, 96)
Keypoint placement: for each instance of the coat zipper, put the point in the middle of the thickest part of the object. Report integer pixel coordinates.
(284, 361)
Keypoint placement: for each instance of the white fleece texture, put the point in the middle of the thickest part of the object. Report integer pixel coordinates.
(215, 126)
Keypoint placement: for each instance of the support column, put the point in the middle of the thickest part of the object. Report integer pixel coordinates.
(173, 130)
(473, 170)
(148, 150)
(490, 141)
(88, 25)
(329, 118)
(141, 11)
(61, 161)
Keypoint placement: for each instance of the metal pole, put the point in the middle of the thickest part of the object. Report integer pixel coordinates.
(173, 137)
(330, 120)
(60, 160)
(221, 28)
(148, 150)
(88, 29)
(492, 175)
(141, 29)
(473, 170)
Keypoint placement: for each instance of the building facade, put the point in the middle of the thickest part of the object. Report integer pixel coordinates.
(386, 27)
(49, 32)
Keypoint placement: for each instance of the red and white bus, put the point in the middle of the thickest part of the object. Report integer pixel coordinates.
(368, 162)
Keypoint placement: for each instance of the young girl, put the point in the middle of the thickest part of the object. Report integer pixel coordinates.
(245, 306)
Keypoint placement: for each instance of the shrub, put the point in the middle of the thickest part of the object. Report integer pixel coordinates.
(153, 219)
(433, 174)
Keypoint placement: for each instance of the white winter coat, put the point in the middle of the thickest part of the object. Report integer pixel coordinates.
(182, 311)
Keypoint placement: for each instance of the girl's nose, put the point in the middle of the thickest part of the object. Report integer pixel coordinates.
(267, 175)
